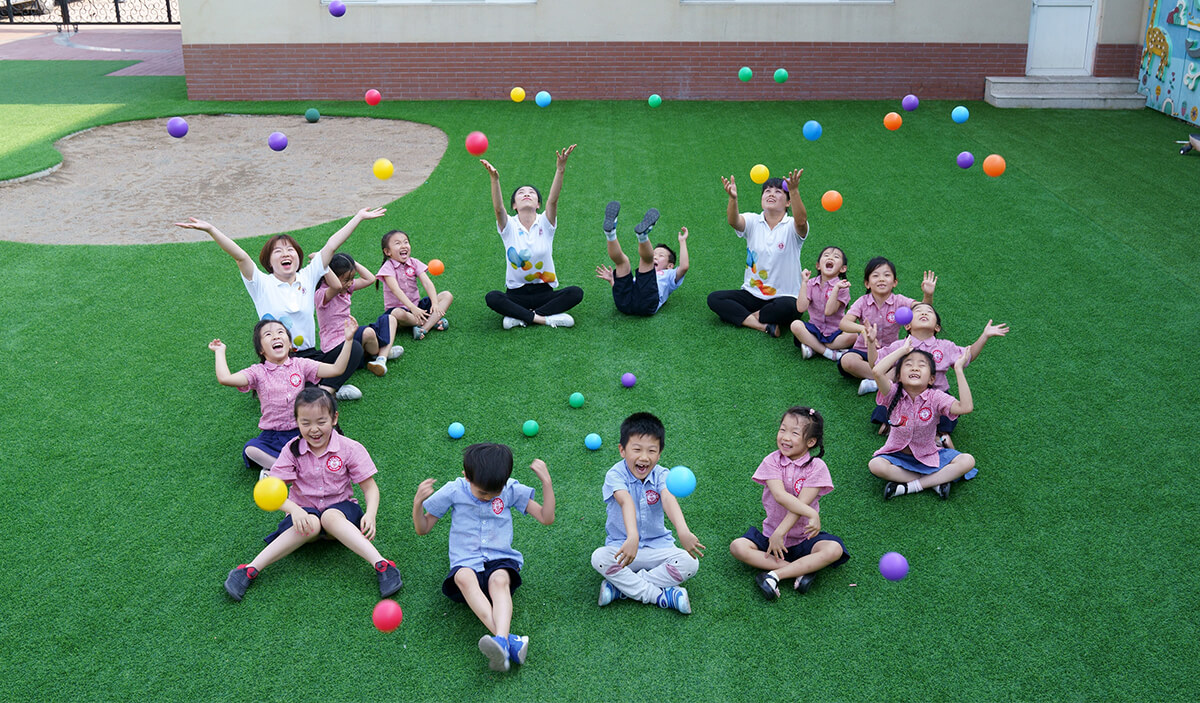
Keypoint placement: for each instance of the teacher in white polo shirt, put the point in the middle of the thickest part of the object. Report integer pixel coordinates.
(286, 291)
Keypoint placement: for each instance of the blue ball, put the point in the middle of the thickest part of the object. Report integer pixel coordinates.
(542, 98)
(812, 130)
(456, 430)
(960, 114)
(592, 441)
(681, 481)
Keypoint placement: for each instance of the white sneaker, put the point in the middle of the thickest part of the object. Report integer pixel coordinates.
(511, 322)
(377, 366)
(806, 351)
(348, 392)
(867, 386)
(562, 319)
(396, 352)
(263, 473)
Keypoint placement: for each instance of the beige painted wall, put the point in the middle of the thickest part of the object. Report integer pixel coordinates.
(307, 21)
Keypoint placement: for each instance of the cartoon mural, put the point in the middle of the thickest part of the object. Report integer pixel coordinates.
(1173, 40)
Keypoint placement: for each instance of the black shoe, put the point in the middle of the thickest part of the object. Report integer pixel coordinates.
(942, 490)
(889, 490)
(767, 584)
(1186, 148)
(610, 216)
(239, 580)
(772, 330)
(647, 222)
(804, 583)
(389, 578)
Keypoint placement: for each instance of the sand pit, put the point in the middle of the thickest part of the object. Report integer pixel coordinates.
(127, 183)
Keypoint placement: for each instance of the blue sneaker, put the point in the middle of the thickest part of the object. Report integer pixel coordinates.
(675, 597)
(608, 593)
(496, 651)
(518, 648)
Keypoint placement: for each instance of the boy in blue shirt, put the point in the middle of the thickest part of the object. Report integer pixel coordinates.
(657, 276)
(639, 559)
(484, 567)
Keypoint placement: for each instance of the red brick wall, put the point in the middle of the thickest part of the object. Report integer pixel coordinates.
(609, 70)
(1117, 60)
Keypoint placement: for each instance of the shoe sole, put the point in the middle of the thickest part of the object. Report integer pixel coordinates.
(377, 369)
(647, 222)
(610, 215)
(497, 656)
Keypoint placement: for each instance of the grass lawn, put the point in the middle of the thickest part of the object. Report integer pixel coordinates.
(1060, 573)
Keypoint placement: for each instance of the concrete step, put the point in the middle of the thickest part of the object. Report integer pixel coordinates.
(1064, 92)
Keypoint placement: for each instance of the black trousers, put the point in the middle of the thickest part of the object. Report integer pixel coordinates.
(534, 299)
(734, 306)
(356, 359)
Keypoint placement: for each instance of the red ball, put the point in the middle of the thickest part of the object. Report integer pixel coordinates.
(477, 143)
(373, 97)
(387, 615)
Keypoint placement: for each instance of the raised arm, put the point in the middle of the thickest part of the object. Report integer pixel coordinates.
(338, 367)
(556, 185)
(802, 299)
(333, 285)
(543, 512)
(928, 284)
(965, 403)
(423, 522)
(682, 268)
(732, 215)
(497, 196)
(366, 278)
(687, 540)
(832, 303)
(339, 237)
(244, 263)
(235, 380)
(989, 331)
(799, 212)
(886, 363)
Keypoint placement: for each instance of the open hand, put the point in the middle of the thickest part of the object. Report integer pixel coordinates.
(999, 330)
(193, 223)
(217, 345)
(928, 283)
(604, 272)
(730, 186)
(562, 155)
(371, 213)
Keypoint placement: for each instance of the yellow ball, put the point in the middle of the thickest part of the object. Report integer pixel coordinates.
(517, 94)
(759, 174)
(383, 169)
(269, 493)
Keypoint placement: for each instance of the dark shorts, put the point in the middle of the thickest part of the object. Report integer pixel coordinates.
(843, 371)
(451, 590)
(271, 442)
(908, 462)
(383, 330)
(798, 551)
(636, 295)
(823, 338)
(945, 424)
(352, 510)
(424, 303)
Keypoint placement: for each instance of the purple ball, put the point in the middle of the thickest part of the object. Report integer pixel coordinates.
(628, 380)
(966, 159)
(903, 316)
(893, 566)
(910, 102)
(177, 127)
(337, 8)
(277, 141)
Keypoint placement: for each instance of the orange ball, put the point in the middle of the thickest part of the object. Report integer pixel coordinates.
(831, 201)
(892, 121)
(436, 267)
(993, 165)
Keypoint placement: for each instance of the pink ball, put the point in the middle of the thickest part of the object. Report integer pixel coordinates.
(628, 380)
(477, 143)
(387, 615)
(373, 97)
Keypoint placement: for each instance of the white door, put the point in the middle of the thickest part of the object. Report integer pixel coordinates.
(1062, 37)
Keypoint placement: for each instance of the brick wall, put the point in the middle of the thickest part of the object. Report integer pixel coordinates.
(1117, 60)
(606, 70)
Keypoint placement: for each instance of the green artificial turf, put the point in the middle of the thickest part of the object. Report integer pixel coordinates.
(1062, 573)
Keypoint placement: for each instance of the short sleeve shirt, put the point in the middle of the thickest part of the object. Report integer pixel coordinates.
(647, 499)
(406, 274)
(290, 303)
(277, 386)
(320, 480)
(914, 422)
(944, 352)
(772, 257)
(666, 285)
(818, 292)
(796, 475)
(530, 253)
(882, 316)
(331, 318)
(480, 531)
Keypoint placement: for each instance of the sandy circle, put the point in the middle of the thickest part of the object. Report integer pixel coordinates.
(127, 183)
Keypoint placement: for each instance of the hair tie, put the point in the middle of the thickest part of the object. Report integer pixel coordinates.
(811, 412)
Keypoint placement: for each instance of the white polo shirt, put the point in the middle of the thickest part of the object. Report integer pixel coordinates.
(529, 254)
(772, 257)
(292, 303)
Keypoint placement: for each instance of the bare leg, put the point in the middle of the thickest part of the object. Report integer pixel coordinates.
(621, 263)
(370, 342)
(753, 323)
(404, 317)
(890, 472)
(444, 300)
(258, 456)
(387, 348)
(957, 467)
(280, 547)
(336, 524)
(857, 366)
(468, 583)
(845, 340)
(801, 333)
(823, 554)
(502, 608)
(646, 256)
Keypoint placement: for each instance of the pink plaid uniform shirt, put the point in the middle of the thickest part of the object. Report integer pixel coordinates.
(944, 352)
(277, 386)
(818, 292)
(914, 422)
(796, 474)
(406, 276)
(882, 316)
(320, 480)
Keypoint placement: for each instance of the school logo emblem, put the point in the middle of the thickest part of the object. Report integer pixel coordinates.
(497, 505)
(408, 271)
(296, 380)
(798, 486)
(651, 497)
(937, 355)
(891, 317)
(334, 463)
(780, 245)
(925, 414)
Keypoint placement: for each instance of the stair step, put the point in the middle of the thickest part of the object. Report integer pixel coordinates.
(1086, 92)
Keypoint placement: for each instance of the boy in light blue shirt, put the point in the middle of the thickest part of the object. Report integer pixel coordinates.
(484, 567)
(657, 275)
(639, 559)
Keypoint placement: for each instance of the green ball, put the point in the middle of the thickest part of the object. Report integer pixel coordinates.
(655, 100)
(781, 75)
(312, 115)
(745, 74)
(530, 428)
(576, 400)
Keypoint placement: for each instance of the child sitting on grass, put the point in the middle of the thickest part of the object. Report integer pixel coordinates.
(484, 567)
(643, 294)
(333, 307)
(639, 559)
(824, 298)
